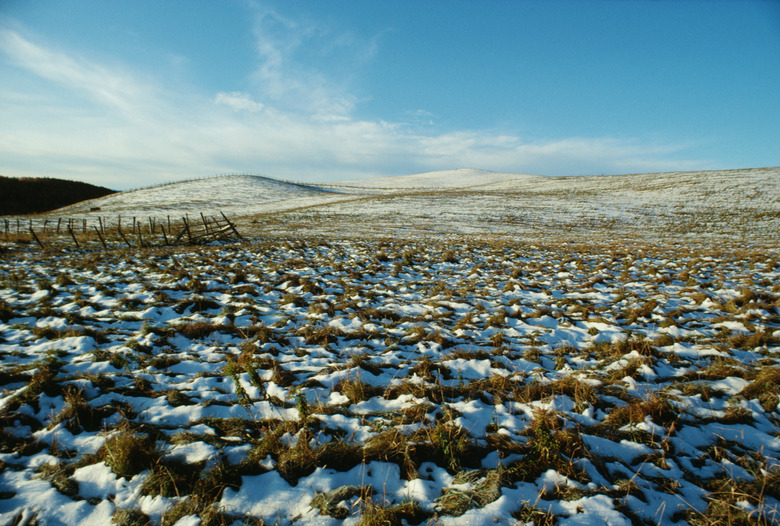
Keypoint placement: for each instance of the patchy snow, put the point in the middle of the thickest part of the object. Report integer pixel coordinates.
(467, 382)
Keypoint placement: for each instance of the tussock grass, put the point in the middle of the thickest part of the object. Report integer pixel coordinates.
(6, 311)
(765, 387)
(58, 474)
(727, 496)
(658, 408)
(550, 446)
(302, 459)
(128, 453)
(582, 393)
(393, 446)
(422, 308)
(330, 502)
(383, 515)
(202, 500)
(78, 415)
(130, 517)
(356, 390)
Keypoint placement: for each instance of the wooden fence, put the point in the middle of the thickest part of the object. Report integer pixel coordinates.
(129, 232)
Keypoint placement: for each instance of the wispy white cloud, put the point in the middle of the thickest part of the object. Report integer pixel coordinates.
(287, 51)
(106, 85)
(238, 101)
(298, 124)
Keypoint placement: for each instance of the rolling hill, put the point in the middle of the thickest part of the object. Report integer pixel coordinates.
(234, 194)
(738, 205)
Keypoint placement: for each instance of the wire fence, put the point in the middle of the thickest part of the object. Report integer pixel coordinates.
(116, 232)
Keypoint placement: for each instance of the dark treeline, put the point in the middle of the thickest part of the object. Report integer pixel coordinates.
(31, 195)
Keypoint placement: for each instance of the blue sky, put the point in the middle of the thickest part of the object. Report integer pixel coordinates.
(131, 93)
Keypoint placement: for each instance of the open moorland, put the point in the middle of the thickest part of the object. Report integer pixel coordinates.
(406, 351)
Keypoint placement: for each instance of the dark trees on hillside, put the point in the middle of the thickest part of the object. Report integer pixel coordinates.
(41, 194)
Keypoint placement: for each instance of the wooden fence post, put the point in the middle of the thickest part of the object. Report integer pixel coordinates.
(205, 223)
(187, 228)
(36, 238)
(122, 235)
(232, 226)
(59, 222)
(100, 237)
(70, 230)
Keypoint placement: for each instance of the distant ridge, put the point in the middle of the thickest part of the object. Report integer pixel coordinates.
(32, 195)
(459, 178)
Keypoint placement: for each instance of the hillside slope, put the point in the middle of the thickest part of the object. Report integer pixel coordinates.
(236, 194)
(755, 187)
(737, 205)
(710, 206)
(461, 178)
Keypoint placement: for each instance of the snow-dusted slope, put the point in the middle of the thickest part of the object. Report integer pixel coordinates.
(737, 204)
(239, 193)
(710, 188)
(463, 178)
(733, 204)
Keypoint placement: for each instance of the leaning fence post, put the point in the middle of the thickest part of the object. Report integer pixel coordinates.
(70, 230)
(232, 226)
(205, 223)
(36, 238)
(59, 222)
(100, 237)
(187, 228)
(122, 235)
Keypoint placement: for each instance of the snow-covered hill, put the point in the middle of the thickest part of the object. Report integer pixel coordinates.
(236, 193)
(739, 205)
(462, 178)
(731, 204)
(711, 188)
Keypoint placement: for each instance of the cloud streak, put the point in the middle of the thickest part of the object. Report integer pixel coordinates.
(102, 123)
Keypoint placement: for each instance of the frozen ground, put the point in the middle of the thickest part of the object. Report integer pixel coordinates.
(363, 381)
(452, 348)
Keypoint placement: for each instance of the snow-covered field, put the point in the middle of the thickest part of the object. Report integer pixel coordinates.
(379, 382)
(711, 207)
(459, 347)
